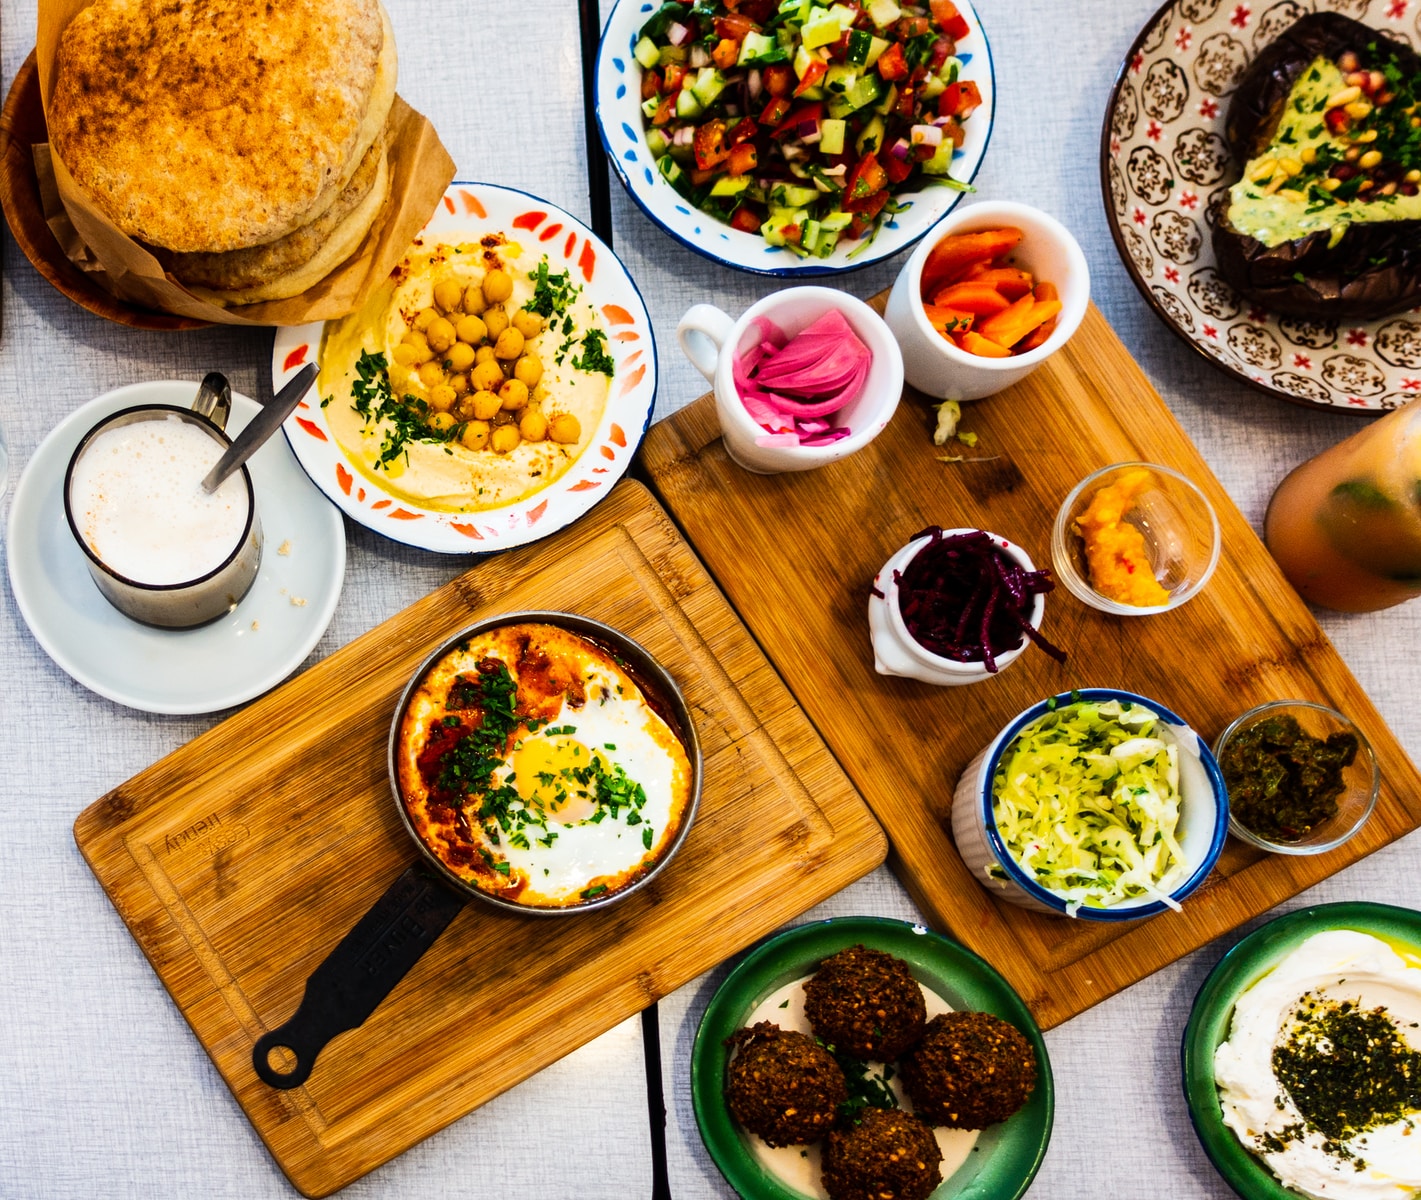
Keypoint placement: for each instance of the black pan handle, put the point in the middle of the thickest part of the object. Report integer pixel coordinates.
(360, 972)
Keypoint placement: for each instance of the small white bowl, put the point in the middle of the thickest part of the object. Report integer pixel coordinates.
(1203, 816)
(897, 652)
(933, 364)
(712, 339)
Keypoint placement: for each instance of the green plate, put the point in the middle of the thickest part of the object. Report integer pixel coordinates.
(1239, 970)
(1006, 1156)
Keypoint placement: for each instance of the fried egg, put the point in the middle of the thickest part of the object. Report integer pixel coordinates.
(535, 768)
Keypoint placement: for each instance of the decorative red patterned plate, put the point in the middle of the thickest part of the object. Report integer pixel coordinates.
(468, 212)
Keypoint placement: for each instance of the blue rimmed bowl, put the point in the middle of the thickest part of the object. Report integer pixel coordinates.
(1203, 816)
(620, 122)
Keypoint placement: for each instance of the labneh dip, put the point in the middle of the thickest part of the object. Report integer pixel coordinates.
(1321, 1073)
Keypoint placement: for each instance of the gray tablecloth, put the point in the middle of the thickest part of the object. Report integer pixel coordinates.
(103, 1089)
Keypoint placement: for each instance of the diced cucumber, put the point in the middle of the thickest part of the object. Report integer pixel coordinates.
(708, 86)
(932, 88)
(649, 107)
(875, 51)
(890, 98)
(839, 78)
(686, 103)
(802, 59)
(836, 221)
(828, 239)
(941, 160)
(840, 108)
(810, 238)
(795, 10)
(822, 29)
(669, 168)
(656, 142)
(755, 47)
(870, 141)
(647, 53)
(860, 43)
(951, 69)
(883, 12)
(671, 54)
(790, 195)
(863, 93)
(831, 136)
(845, 15)
(728, 186)
(812, 93)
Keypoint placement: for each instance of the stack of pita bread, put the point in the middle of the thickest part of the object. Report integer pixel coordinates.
(242, 141)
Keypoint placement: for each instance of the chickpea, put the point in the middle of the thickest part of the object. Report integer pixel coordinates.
(498, 286)
(496, 321)
(475, 435)
(509, 345)
(486, 377)
(485, 405)
(470, 329)
(424, 318)
(442, 397)
(505, 439)
(484, 354)
(514, 395)
(528, 369)
(565, 428)
(533, 426)
(447, 294)
(529, 324)
(405, 354)
(460, 383)
(440, 335)
(460, 356)
(442, 422)
(422, 352)
(430, 374)
(474, 302)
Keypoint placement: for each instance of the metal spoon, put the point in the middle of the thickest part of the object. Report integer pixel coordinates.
(261, 427)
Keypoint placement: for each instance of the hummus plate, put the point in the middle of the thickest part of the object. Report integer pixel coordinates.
(445, 496)
(1209, 1023)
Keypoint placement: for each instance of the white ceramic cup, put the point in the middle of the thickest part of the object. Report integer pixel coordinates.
(711, 339)
(934, 365)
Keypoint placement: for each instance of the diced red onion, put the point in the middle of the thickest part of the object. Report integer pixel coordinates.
(685, 136)
(899, 150)
(700, 57)
(926, 135)
(676, 33)
(755, 82)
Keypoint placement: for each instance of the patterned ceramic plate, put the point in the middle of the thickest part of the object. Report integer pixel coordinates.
(619, 119)
(1164, 164)
(468, 211)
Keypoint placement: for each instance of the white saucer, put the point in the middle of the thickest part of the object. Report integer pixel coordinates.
(250, 650)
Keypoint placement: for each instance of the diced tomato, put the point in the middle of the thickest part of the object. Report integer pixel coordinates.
(891, 63)
(897, 169)
(775, 111)
(743, 130)
(813, 73)
(699, 177)
(789, 127)
(911, 27)
(959, 100)
(839, 51)
(726, 51)
(866, 179)
(675, 74)
(954, 132)
(746, 219)
(743, 157)
(664, 112)
(734, 27)
(650, 84)
(859, 226)
(869, 206)
(709, 145)
(779, 79)
(948, 19)
(907, 102)
(943, 49)
(793, 234)
(758, 11)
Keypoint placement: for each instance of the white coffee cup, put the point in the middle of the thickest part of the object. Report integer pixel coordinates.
(934, 365)
(712, 340)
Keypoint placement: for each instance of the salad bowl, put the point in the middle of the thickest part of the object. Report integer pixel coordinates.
(617, 93)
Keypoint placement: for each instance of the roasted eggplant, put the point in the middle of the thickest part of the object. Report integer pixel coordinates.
(1326, 219)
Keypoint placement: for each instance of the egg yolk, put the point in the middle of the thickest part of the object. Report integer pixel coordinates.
(544, 773)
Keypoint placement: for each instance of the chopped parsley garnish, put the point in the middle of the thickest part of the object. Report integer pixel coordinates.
(405, 417)
(552, 294)
(595, 890)
(594, 359)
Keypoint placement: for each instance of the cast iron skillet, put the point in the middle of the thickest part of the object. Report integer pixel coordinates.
(389, 939)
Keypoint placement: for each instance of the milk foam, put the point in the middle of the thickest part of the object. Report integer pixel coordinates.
(137, 499)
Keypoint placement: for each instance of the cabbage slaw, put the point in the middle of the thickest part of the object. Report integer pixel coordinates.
(1086, 800)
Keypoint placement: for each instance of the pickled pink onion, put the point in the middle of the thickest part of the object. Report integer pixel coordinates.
(789, 386)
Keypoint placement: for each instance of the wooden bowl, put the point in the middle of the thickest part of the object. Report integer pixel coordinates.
(21, 128)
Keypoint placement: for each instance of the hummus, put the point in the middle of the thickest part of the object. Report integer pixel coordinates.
(1278, 1020)
(436, 468)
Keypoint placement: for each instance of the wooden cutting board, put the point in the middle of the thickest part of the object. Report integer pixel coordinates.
(240, 860)
(796, 553)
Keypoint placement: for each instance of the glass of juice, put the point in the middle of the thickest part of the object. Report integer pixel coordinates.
(1346, 526)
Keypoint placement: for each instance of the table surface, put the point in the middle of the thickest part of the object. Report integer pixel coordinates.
(106, 1092)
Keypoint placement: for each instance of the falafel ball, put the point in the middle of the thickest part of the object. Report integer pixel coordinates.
(889, 1155)
(865, 1004)
(970, 1070)
(783, 1086)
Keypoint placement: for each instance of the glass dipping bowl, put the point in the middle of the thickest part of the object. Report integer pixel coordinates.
(1180, 529)
(1362, 779)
